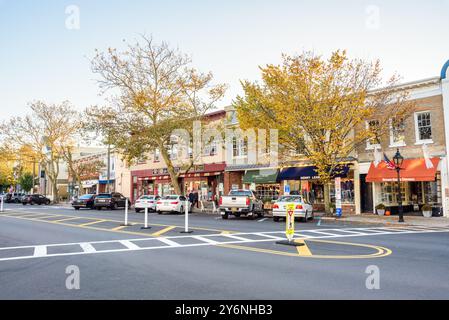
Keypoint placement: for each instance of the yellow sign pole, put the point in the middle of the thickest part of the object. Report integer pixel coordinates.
(290, 227)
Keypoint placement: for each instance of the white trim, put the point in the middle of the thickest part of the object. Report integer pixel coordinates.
(392, 143)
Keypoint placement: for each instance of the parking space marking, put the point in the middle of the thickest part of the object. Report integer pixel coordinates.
(118, 228)
(65, 219)
(161, 232)
(206, 240)
(168, 242)
(40, 251)
(129, 245)
(91, 223)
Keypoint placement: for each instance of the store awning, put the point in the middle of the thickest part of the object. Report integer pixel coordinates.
(412, 170)
(261, 176)
(308, 173)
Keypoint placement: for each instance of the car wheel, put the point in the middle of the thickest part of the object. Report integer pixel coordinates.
(24, 203)
(306, 217)
(47, 202)
(312, 216)
(276, 219)
(77, 208)
(98, 208)
(237, 215)
(261, 214)
(159, 212)
(251, 217)
(31, 203)
(181, 210)
(137, 210)
(114, 206)
(225, 216)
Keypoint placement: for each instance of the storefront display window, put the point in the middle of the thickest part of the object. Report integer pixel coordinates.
(267, 191)
(389, 193)
(347, 191)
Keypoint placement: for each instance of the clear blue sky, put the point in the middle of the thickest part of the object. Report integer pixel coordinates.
(41, 59)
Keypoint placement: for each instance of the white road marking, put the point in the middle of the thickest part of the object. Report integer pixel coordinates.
(169, 242)
(40, 251)
(129, 245)
(87, 247)
(262, 220)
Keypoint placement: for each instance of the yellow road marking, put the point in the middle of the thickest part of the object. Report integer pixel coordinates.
(91, 223)
(118, 228)
(161, 232)
(380, 251)
(42, 217)
(228, 232)
(303, 250)
(65, 219)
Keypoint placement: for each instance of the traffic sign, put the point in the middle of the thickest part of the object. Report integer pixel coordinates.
(290, 221)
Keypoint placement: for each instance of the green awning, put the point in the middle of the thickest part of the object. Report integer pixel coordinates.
(261, 176)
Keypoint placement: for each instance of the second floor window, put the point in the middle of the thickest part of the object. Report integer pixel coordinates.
(423, 127)
(397, 132)
(373, 127)
(156, 155)
(239, 147)
(211, 148)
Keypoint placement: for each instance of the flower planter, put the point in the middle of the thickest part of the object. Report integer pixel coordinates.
(427, 214)
(380, 212)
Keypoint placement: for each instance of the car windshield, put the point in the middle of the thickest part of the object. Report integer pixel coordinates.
(245, 193)
(86, 196)
(104, 195)
(171, 198)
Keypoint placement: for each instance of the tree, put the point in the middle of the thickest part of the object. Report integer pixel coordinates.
(159, 93)
(86, 170)
(47, 131)
(316, 104)
(26, 181)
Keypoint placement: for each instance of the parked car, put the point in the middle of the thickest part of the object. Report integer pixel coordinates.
(15, 197)
(239, 202)
(112, 201)
(303, 209)
(146, 201)
(35, 199)
(173, 203)
(84, 201)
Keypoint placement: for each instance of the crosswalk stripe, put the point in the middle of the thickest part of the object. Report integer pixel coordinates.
(87, 247)
(169, 242)
(40, 251)
(130, 245)
(205, 239)
(210, 239)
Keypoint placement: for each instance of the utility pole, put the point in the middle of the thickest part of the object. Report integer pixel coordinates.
(109, 169)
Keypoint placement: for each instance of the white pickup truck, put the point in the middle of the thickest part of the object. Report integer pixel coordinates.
(239, 202)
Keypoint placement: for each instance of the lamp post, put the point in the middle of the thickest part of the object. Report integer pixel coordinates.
(398, 160)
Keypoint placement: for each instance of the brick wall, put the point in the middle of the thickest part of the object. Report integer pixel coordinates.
(230, 178)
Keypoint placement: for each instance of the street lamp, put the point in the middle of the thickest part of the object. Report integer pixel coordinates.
(398, 159)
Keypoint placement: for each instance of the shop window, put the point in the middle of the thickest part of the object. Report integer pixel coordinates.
(423, 127)
(373, 127)
(389, 194)
(397, 133)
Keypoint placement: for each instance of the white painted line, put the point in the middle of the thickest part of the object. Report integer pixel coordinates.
(169, 242)
(40, 251)
(262, 220)
(234, 237)
(129, 244)
(87, 247)
(350, 231)
(268, 236)
(205, 239)
(321, 232)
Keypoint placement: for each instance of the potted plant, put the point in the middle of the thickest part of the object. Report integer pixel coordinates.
(380, 209)
(332, 207)
(427, 210)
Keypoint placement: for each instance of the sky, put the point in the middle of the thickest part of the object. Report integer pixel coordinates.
(45, 45)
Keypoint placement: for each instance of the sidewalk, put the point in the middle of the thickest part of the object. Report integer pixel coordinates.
(390, 220)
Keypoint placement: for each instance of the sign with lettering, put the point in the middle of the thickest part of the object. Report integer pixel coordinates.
(290, 221)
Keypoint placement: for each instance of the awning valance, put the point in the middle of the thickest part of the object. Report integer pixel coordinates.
(261, 176)
(412, 170)
(308, 173)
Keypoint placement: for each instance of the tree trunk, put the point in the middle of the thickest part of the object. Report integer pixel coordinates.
(327, 198)
(171, 170)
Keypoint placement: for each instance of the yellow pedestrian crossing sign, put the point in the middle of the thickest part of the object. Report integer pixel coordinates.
(290, 221)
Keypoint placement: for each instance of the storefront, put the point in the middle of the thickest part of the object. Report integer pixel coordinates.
(89, 187)
(263, 182)
(419, 185)
(306, 182)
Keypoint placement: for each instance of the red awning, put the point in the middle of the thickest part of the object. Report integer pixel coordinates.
(412, 170)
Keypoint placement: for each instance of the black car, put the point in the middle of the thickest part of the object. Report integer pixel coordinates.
(112, 201)
(35, 199)
(85, 201)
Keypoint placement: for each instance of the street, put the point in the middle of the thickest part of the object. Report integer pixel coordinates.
(221, 259)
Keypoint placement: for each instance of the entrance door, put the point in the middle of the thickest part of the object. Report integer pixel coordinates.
(366, 194)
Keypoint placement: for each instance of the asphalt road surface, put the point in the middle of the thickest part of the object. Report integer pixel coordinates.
(43, 247)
